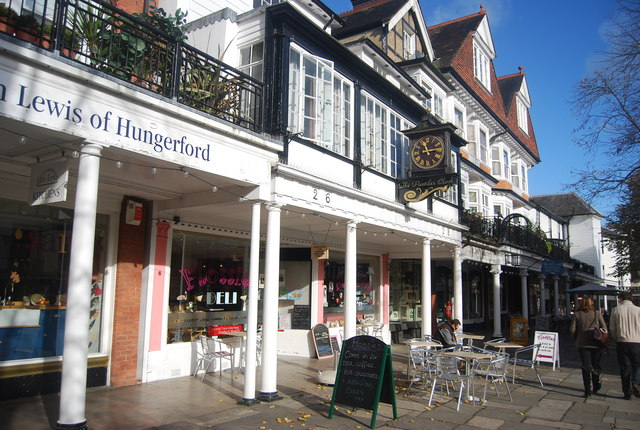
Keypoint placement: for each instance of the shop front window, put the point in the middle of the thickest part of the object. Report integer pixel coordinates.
(405, 283)
(366, 280)
(208, 286)
(34, 268)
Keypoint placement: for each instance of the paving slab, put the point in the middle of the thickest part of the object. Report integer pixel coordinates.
(485, 423)
(553, 424)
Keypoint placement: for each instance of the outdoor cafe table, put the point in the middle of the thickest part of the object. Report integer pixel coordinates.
(242, 335)
(468, 357)
(503, 345)
(421, 343)
(470, 337)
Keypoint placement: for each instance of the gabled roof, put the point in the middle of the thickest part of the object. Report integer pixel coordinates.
(372, 14)
(368, 15)
(509, 86)
(565, 205)
(447, 38)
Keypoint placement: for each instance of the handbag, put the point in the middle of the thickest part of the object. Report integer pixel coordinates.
(599, 335)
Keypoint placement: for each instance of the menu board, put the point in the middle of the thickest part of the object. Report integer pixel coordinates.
(549, 347)
(322, 341)
(301, 317)
(365, 376)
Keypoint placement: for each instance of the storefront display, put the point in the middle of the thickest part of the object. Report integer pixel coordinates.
(366, 279)
(34, 265)
(209, 283)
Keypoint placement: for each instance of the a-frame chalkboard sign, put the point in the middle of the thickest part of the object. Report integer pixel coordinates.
(365, 376)
(322, 341)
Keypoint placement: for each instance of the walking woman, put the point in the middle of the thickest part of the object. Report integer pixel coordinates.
(585, 319)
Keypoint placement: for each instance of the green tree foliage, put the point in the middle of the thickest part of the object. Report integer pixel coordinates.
(607, 104)
(624, 237)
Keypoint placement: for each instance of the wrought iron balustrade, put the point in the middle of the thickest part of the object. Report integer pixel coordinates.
(494, 230)
(107, 39)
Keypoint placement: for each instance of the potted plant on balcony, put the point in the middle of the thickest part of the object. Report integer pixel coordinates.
(8, 18)
(27, 28)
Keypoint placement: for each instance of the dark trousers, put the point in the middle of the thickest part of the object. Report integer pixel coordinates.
(629, 362)
(590, 359)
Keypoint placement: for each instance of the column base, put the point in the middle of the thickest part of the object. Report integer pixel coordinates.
(269, 397)
(248, 402)
(78, 426)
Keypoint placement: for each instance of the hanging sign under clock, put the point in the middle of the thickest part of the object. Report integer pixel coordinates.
(428, 152)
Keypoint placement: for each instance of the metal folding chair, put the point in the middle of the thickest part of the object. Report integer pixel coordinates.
(518, 359)
(447, 372)
(210, 350)
(493, 370)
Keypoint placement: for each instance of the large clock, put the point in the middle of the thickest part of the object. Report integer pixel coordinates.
(428, 152)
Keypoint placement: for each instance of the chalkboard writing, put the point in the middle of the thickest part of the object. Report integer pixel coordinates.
(322, 341)
(301, 317)
(334, 344)
(365, 376)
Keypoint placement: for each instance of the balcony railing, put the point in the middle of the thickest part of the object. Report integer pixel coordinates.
(494, 230)
(108, 40)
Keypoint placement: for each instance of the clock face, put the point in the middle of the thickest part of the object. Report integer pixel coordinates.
(428, 152)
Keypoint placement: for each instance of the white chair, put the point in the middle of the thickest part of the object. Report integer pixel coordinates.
(377, 331)
(447, 372)
(210, 350)
(493, 370)
(518, 359)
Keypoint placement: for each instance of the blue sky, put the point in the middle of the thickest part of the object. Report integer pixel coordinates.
(557, 43)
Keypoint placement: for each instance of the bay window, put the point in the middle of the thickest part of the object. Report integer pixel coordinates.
(319, 102)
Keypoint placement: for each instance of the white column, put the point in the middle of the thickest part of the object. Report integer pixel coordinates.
(543, 295)
(350, 279)
(269, 390)
(497, 326)
(457, 285)
(425, 299)
(524, 293)
(73, 389)
(556, 296)
(252, 310)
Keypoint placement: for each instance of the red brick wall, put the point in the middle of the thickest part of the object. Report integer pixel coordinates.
(130, 260)
(130, 6)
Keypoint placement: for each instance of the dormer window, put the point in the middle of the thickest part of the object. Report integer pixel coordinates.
(523, 121)
(481, 66)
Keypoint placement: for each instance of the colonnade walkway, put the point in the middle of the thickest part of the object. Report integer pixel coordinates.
(189, 404)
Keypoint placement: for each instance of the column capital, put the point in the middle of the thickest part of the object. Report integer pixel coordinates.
(273, 206)
(91, 148)
(524, 272)
(541, 275)
(495, 269)
(352, 225)
(426, 241)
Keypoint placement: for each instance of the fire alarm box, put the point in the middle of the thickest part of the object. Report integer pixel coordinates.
(134, 213)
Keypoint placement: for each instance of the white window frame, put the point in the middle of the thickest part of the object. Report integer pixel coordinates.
(523, 121)
(459, 121)
(438, 104)
(317, 108)
(483, 145)
(408, 45)
(481, 66)
(254, 67)
(398, 144)
(374, 138)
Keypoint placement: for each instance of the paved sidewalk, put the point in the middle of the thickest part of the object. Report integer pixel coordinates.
(187, 403)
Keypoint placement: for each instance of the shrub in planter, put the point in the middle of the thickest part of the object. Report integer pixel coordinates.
(27, 28)
(8, 18)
